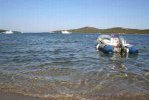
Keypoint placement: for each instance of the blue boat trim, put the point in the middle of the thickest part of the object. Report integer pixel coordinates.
(111, 44)
(133, 50)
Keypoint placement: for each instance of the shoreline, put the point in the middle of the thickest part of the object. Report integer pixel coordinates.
(19, 96)
(16, 96)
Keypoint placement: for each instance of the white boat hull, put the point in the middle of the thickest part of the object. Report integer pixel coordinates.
(108, 44)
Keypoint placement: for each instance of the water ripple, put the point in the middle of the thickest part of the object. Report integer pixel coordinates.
(68, 66)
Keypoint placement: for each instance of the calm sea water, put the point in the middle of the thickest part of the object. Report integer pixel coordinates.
(70, 66)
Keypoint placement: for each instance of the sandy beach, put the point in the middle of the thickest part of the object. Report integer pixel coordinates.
(18, 96)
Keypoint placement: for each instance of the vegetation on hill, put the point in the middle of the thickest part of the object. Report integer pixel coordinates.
(85, 30)
(124, 30)
(110, 30)
(1, 30)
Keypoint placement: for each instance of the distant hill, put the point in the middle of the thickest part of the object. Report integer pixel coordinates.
(2, 30)
(85, 30)
(124, 30)
(109, 30)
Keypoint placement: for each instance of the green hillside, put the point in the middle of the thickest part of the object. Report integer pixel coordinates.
(124, 30)
(110, 30)
(85, 30)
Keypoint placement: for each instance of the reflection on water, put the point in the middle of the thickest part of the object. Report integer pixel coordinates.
(56, 65)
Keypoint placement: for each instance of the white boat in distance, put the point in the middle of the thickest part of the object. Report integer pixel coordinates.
(8, 32)
(65, 32)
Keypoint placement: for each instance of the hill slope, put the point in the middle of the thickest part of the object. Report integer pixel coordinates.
(2, 30)
(85, 30)
(110, 30)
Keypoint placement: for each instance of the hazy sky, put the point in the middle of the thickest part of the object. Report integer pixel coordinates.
(49, 15)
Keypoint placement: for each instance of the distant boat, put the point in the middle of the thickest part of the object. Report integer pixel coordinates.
(8, 32)
(65, 32)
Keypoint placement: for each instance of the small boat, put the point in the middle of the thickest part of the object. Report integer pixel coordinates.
(65, 32)
(115, 44)
(8, 32)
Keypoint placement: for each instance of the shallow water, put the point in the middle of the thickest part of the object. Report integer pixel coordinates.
(58, 65)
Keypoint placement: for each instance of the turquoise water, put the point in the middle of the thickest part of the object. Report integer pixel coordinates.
(69, 65)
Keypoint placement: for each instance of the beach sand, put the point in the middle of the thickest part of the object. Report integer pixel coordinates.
(18, 96)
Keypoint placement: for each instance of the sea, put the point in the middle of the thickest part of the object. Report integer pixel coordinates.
(69, 66)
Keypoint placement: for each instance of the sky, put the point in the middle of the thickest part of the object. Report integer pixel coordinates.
(50, 15)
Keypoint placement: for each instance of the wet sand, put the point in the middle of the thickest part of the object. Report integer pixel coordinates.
(18, 96)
